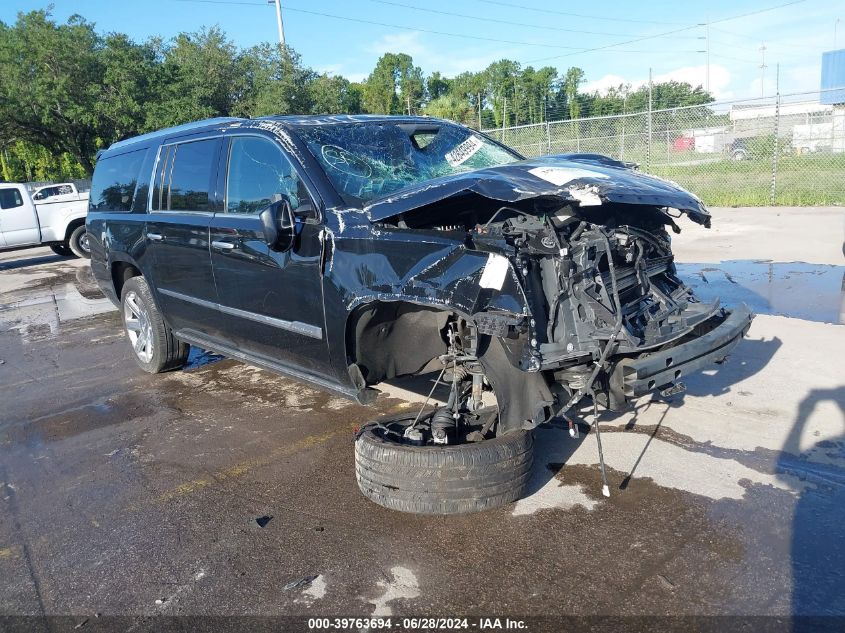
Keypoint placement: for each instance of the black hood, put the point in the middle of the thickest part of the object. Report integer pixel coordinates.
(582, 179)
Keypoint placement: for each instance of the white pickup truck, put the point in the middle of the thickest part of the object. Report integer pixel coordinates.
(52, 216)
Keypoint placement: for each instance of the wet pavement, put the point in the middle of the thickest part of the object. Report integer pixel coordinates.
(813, 292)
(225, 490)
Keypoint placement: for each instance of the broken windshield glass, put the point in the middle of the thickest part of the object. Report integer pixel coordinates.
(365, 162)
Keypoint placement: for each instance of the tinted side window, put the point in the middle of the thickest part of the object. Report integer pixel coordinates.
(114, 182)
(191, 175)
(260, 174)
(10, 198)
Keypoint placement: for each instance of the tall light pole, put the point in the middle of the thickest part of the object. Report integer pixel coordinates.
(763, 70)
(279, 23)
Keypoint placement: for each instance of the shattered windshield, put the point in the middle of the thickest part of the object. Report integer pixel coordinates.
(365, 161)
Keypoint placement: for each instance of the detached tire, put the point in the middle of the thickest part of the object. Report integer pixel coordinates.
(444, 480)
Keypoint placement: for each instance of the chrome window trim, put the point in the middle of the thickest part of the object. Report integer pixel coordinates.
(306, 329)
(161, 147)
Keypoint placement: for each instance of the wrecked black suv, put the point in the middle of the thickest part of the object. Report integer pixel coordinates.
(348, 250)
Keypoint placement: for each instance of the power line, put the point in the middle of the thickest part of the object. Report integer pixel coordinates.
(411, 28)
(496, 21)
(687, 28)
(758, 11)
(464, 36)
(575, 50)
(576, 15)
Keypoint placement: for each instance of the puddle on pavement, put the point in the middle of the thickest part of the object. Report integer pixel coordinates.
(199, 358)
(39, 310)
(813, 292)
(80, 419)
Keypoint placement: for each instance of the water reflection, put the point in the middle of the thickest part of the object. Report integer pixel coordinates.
(813, 292)
(44, 306)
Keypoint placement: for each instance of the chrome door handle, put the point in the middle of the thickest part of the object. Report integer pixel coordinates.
(155, 237)
(222, 246)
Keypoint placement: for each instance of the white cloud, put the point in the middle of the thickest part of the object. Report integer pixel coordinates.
(450, 60)
(769, 87)
(720, 79)
(604, 84)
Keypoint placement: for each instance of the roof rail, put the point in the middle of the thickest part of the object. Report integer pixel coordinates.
(186, 127)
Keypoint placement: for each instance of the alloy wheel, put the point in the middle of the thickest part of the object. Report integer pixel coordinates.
(139, 328)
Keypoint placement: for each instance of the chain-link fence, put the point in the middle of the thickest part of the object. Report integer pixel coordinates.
(782, 149)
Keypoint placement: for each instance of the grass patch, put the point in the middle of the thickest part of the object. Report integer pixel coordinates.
(801, 181)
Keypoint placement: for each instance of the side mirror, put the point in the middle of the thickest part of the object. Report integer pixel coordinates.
(279, 226)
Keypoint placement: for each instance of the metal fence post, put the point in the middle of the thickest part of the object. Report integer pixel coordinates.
(775, 152)
(548, 138)
(648, 142)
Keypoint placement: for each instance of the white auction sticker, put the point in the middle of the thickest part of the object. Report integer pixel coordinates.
(562, 175)
(464, 151)
(494, 272)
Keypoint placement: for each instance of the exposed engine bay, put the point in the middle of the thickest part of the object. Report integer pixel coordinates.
(602, 288)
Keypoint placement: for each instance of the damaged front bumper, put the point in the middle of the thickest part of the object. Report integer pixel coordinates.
(635, 377)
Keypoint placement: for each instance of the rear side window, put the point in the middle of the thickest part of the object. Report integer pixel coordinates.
(114, 182)
(10, 198)
(184, 176)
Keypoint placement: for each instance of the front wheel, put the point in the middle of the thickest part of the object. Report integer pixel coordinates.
(451, 479)
(78, 242)
(153, 345)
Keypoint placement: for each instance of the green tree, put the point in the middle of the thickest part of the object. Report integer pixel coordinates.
(451, 107)
(334, 95)
(572, 80)
(501, 79)
(395, 85)
(275, 82)
(201, 76)
(436, 86)
(51, 85)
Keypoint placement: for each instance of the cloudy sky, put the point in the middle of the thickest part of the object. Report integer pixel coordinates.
(613, 41)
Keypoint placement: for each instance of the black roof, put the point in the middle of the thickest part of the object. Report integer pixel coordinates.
(292, 120)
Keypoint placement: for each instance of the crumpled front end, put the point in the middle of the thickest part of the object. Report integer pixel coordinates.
(586, 238)
(614, 284)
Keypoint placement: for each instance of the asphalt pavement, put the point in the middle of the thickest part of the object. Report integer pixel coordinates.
(224, 490)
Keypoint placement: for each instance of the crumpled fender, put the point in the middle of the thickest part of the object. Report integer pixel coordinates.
(423, 267)
(366, 263)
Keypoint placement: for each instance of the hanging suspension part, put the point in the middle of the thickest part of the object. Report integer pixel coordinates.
(605, 489)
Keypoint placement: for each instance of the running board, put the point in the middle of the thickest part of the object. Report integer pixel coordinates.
(193, 337)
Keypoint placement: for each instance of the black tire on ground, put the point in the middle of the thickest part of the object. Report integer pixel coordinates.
(61, 249)
(444, 480)
(78, 242)
(160, 351)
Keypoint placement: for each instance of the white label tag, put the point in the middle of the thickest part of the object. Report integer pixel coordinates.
(562, 175)
(464, 151)
(494, 272)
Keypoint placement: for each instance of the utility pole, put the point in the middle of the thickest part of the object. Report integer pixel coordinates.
(763, 70)
(707, 75)
(279, 23)
(836, 31)
(504, 114)
(479, 111)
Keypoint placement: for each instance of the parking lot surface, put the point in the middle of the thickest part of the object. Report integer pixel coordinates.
(226, 490)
